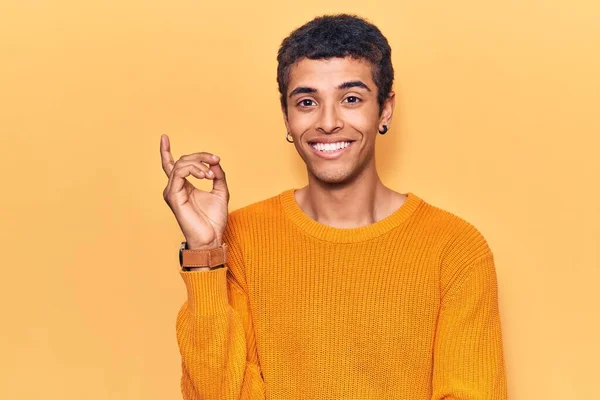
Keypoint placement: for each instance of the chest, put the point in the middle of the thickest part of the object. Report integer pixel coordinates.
(316, 290)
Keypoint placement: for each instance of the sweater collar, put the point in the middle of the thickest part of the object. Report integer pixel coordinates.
(347, 235)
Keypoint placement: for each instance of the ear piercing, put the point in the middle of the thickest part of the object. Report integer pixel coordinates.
(287, 137)
(384, 130)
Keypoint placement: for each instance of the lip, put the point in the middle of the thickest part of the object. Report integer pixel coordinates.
(329, 155)
(331, 140)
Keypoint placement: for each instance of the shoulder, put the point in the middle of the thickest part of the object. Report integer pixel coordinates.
(256, 211)
(463, 249)
(252, 217)
(460, 241)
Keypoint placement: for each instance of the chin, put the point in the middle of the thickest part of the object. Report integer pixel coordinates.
(333, 176)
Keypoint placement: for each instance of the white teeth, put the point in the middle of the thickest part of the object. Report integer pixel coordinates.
(330, 146)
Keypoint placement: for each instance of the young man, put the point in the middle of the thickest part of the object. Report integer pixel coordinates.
(342, 289)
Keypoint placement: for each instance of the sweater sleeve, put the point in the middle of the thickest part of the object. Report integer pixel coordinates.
(215, 334)
(468, 355)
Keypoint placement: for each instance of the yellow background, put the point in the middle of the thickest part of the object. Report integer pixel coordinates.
(497, 120)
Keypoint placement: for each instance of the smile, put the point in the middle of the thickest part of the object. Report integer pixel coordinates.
(330, 150)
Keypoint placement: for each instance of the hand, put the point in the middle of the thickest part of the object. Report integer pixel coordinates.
(201, 215)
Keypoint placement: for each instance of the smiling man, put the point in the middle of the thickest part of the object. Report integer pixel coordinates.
(344, 288)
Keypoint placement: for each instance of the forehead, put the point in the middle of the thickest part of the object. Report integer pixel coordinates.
(324, 74)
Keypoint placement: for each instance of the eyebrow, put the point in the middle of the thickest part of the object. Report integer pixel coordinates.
(342, 86)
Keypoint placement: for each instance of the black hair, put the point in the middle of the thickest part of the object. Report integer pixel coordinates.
(339, 35)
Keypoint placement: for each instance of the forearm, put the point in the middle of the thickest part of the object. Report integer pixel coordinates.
(212, 340)
(468, 355)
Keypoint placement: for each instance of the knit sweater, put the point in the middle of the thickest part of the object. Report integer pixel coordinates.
(403, 308)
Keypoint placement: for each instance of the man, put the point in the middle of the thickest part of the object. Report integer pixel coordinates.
(342, 289)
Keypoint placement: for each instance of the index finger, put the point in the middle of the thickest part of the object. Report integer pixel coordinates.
(165, 154)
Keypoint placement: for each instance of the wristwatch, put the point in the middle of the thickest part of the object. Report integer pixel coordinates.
(212, 258)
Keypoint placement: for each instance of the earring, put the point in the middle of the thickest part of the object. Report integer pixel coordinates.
(384, 130)
(287, 137)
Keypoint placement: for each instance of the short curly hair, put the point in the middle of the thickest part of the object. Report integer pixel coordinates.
(339, 35)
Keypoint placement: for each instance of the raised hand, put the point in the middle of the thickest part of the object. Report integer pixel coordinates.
(201, 215)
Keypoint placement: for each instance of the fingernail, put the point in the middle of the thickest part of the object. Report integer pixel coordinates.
(211, 173)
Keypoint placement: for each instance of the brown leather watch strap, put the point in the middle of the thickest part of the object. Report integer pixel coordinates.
(204, 258)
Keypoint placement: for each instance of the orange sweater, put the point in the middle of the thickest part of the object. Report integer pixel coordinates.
(404, 308)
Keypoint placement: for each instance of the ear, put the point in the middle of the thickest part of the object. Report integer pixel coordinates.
(388, 110)
(285, 119)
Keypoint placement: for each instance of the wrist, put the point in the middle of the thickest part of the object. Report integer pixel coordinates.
(204, 246)
(202, 257)
(194, 269)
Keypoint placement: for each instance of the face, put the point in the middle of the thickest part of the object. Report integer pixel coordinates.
(333, 117)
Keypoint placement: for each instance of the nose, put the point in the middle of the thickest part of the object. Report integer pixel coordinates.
(329, 120)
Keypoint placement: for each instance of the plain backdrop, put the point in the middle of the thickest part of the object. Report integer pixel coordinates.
(497, 120)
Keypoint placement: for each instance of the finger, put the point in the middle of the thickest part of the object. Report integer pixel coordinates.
(179, 174)
(182, 163)
(165, 154)
(219, 181)
(205, 157)
(200, 166)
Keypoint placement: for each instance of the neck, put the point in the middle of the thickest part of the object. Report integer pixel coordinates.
(363, 201)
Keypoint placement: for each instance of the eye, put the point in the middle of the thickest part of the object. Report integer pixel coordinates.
(353, 99)
(305, 103)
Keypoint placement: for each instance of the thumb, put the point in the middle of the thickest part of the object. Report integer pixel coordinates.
(219, 182)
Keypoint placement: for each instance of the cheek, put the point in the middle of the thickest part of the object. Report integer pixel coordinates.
(300, 122)
(364, 122)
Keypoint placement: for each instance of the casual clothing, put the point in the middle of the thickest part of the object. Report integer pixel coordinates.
(404, 308)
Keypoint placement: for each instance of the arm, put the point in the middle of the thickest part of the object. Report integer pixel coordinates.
(468, 354)
(214, 331)
(215, 334)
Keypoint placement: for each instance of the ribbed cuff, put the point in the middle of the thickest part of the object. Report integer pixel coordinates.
(207, 290)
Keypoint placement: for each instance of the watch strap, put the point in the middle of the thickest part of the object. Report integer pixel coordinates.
(203, 258)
